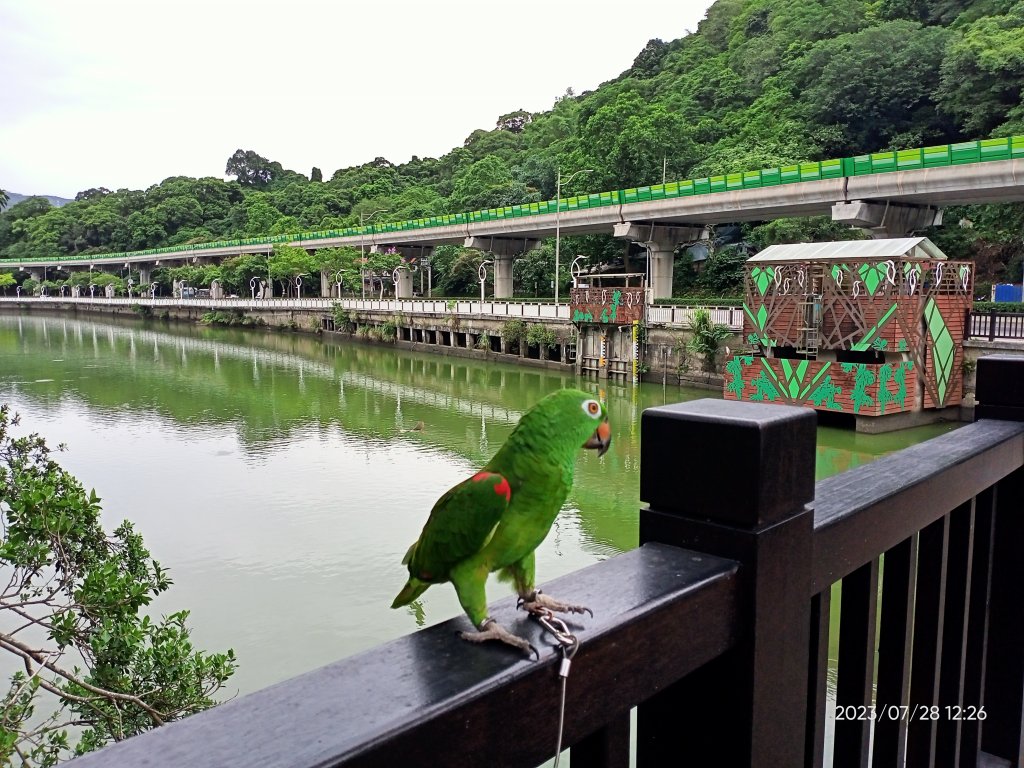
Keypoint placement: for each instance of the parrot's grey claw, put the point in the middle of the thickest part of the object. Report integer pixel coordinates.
(539, 603)
(492, 630)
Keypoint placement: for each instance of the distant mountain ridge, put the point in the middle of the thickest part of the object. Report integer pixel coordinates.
(55, 201)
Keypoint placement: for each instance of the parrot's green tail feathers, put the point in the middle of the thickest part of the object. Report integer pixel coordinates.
(409, 553)
(413, 588)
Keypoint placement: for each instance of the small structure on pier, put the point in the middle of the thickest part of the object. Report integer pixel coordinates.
(870, 328)
(608, 313)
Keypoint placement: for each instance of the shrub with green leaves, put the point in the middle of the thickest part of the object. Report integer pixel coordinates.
(73, 617)
(540, 335)
(707, 337)
(342, 318)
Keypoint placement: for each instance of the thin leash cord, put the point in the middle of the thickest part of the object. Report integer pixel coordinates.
(568, 643)
(561, 724)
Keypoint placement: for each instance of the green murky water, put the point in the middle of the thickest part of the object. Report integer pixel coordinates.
(281, 478)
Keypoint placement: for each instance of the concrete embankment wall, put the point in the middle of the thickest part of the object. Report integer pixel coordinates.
(293, 319)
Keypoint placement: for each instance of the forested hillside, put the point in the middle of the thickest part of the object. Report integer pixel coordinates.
(761, 83)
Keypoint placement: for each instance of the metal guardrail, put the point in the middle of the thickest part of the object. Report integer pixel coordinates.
(668, 315)
(994, 325)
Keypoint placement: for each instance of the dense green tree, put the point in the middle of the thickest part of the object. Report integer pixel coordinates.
(533, 271)
(648, 62)
(238, 271)
(91, 194)
(249, 168)
(890, 61)
(289, 262)
(6, 281)
(514, 122)
(487, 183)
(982, 75)
(4, 199)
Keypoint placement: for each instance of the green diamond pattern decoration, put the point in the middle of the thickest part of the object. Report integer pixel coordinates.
(872, 275)
(763, 277)
(943, 347)
(794, 376)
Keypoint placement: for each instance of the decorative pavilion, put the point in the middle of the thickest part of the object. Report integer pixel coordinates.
(866, 327)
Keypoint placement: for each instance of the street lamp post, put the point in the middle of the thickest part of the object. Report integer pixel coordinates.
(558, 208)
(482, 275)
(364, 217)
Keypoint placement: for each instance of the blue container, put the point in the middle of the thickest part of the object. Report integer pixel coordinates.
(1008, 292)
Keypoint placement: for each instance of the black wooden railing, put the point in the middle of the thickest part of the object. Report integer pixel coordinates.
(717, 627)
(994, 325)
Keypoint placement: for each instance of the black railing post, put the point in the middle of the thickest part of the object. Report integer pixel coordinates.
(991, 325)
(1000, 395)
(735, 479)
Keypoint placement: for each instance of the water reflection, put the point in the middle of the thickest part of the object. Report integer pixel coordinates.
(282, 478)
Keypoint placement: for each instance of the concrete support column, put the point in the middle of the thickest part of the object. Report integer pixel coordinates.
(662, 267)
(145, 273)
(36, 274)
(503, 286)
(883, 220)
(661, 243)
(503, 250)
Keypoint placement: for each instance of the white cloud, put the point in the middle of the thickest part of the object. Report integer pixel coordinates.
(123, 94)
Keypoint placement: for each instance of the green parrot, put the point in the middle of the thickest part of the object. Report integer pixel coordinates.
(496, 519)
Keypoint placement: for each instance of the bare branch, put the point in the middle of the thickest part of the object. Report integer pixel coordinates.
(29, 655)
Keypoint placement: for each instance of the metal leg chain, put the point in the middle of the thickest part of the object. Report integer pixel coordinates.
(568, 643)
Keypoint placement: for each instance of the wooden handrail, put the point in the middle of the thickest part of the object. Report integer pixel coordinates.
(432, 699)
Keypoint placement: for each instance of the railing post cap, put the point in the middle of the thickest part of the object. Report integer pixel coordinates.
(744, 464)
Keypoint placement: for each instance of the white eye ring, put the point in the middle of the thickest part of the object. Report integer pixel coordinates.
(592, 408)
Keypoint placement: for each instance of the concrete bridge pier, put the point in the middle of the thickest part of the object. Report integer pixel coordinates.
(504, 250)
(145, 273)
(882, 220)
(661, 243)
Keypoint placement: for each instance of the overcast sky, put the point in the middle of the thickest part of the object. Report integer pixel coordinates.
(124, 94)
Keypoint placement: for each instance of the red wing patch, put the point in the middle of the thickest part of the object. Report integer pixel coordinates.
(502, 488)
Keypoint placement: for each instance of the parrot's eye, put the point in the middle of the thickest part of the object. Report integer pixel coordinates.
(592, 408)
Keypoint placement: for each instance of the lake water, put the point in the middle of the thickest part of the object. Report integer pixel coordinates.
(281, 479)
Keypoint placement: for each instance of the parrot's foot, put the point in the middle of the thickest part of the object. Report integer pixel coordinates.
(540, 603)
(492, 630)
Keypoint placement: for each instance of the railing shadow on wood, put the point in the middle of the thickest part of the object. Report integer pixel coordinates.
(717, 626)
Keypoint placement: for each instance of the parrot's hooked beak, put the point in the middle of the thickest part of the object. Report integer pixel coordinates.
(601, 439)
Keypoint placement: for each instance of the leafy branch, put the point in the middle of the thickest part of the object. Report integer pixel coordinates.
(73, 614)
